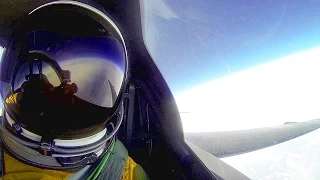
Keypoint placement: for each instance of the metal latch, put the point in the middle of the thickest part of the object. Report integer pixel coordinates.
(46, 148)
(77, 160)
(17, 128)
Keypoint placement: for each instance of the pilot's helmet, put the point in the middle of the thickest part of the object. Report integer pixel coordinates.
(62, 83)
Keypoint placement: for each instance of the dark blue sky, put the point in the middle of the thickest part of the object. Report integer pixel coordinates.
(194, 42)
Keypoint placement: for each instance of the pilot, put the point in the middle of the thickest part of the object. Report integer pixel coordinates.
(62, 83)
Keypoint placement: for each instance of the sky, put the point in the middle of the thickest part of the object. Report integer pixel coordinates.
(205, 40)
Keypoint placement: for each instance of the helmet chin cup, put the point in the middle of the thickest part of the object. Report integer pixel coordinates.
(58, 156)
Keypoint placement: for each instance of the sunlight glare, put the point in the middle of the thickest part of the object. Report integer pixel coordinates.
(283, 90)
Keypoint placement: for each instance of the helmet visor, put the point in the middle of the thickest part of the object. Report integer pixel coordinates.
(63, 82)
(96, 64)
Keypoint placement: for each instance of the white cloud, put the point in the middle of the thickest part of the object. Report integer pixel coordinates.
(286, 89)
(295, 159)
